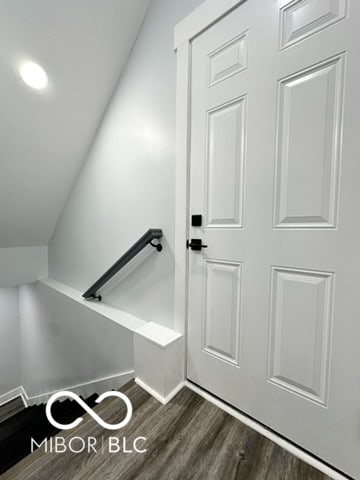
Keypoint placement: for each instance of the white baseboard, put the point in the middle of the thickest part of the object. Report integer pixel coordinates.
(86, 389)
(286, 445)
(12, 394)
(153, 393)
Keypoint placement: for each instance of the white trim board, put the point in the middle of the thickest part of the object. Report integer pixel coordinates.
(181, 194)
(156, 395)
(12, 394)
(283, 443)
(124, 319)
(201, 18)
(85, 389)
(158, 334)
(88, 388)
(154, 332)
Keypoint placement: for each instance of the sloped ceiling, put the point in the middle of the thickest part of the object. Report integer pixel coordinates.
(44, 135)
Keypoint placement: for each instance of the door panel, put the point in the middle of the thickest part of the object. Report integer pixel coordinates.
(301, 316)
(273, 316)
(225, 174)
(302, 18)
(221, 339)
(309, 133)
(227, 60)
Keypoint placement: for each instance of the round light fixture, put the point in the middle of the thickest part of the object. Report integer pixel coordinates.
(33, 75)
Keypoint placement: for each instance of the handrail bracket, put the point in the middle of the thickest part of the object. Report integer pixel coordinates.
(158, 246)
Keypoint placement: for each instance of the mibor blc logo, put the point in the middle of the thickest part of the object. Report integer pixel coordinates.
(96, 417)
(78, 444)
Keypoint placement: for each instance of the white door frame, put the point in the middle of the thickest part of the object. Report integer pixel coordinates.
(204, 16)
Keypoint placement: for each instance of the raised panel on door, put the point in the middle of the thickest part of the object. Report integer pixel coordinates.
(225, 164)
(300, 331)
(308, 146)
(302, 18)
(221, 320)
(228, 60)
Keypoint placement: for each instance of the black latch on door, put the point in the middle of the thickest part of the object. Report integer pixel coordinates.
(195, 244)
(196, 220)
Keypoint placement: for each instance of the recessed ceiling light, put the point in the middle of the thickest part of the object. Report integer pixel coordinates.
(33, 75)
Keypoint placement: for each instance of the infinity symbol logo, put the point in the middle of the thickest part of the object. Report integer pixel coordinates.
(96, 417)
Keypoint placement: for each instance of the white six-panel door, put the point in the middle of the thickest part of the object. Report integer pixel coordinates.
(274, 301)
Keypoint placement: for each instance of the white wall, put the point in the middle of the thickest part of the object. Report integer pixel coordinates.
(9, 340)
(127, 182)
(22, 265)
(64, 344)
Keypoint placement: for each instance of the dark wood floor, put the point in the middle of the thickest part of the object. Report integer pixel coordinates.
(187, 439)
(10, 408)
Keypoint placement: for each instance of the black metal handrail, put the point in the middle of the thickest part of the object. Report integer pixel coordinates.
(146, 239)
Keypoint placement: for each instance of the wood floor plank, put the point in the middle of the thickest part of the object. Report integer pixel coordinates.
(189, 438)
(40, 464)
(161, 428)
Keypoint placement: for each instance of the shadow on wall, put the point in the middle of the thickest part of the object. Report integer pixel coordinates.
(9, 339)
(64, 344)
